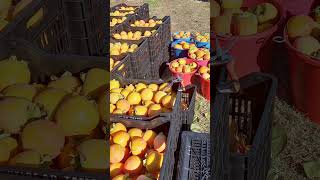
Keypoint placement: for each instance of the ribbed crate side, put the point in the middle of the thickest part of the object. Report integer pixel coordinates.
(87, 26)
(143, 11)
(140, 61)
(220, 144)
(189, 98)
(49, 34)
(194, 157)
(261, 89)
(166, 24)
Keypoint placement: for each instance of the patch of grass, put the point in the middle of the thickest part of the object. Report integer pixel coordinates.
(201, 121)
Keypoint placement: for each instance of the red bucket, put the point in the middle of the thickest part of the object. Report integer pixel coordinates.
(186, 77)
(246, 49)
(200, 62)
(296, 7)
(304, 78)
(205, 87)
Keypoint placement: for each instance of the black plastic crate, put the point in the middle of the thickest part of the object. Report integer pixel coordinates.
(249, 113)
(42, 65)
(194, 158)
(123, 68)
(166, 32)
(252, 110)
(49, 34)
(219, 145)
(188, 103)
(92, 45)
(154, 47)
(171, 129)
(87, 24)
(140, 65)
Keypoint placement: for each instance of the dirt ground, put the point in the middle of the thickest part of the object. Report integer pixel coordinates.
(303, 137)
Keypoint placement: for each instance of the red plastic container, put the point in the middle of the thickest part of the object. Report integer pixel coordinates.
(246, 49)
(186, 77)
(304, 81)
(205, 87)
(296, 7)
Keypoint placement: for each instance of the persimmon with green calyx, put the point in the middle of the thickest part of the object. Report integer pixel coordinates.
(20, 90)
(95, 82)
(43, 136)
(94, 154)
(49, 99)
(7, 147)
(13, 71)
(15, 113)
(77, 116)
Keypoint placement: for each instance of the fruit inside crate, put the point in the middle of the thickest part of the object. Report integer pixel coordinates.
(140, 11)
(61, 155)
(133, 33)
(146, 23)
(143, 100)
(139, 56)
(120, 65)
(155, 142)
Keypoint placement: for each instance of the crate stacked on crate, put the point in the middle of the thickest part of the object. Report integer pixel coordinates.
(124, 12)
(155, 32)
(158, 43)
